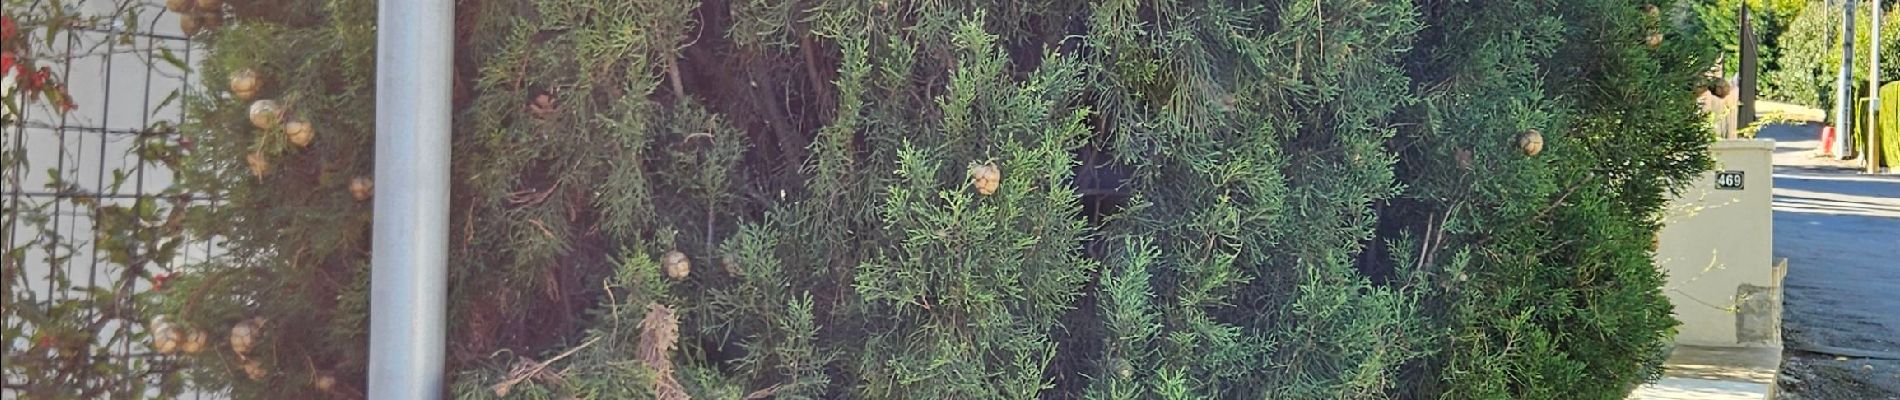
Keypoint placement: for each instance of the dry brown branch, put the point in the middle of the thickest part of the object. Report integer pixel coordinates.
(765, 393)
(659, 331)
(532, 197)
(529, 369)
(544, 229)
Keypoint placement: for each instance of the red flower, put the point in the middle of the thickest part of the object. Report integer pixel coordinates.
(6, 62)
(8, 28)
(29, 81)
(158, 281)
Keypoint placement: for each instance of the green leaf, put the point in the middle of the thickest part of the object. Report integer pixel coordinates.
(165, 53)
(169, 98)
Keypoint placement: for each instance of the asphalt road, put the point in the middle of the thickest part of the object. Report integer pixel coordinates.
(1840, 231)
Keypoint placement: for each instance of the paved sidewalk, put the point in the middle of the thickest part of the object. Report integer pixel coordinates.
(1673, 388)
(1707, 373)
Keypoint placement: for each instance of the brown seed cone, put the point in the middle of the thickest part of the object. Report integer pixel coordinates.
(676, 265)
(246, 80)
(986, 177)
(1531, 142)
(188, 24)
(362, 188)
(542, 106)
(195, 341)
(209, 5)
(254, 369)
(178, 6)
(260, 166)
(266, 114)
(211, 19)
(245, 334)
(1718, 87)
(324, 382)
(167, 337)
(731, 264)
(300, 133)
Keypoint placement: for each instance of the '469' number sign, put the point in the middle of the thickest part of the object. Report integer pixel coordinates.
(1728, 180)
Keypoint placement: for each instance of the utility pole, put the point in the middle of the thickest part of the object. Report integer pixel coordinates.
(1843, 87)
(408, 288)
(1872, 157)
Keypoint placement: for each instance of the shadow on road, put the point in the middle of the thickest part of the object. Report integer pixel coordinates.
(1840, 231)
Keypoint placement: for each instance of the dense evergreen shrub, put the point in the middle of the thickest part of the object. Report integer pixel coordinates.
(990, 199)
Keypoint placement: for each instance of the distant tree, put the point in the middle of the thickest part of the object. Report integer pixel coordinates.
(1811, 49)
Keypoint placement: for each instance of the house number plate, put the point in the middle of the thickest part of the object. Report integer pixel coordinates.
(1728, 180)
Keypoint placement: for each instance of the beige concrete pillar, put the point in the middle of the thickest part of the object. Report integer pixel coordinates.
(1716, 245)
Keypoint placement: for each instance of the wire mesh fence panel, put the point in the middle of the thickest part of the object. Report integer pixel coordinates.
(91, 228)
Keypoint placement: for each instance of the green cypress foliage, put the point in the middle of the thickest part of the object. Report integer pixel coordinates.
(1548, 290)
(990, 199)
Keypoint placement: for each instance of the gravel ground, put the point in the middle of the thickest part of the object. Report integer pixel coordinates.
(1840, 231)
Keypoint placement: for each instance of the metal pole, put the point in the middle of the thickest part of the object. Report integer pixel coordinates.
(1873, 97)
(1843, 87)
(408, 277)
(1745, 78)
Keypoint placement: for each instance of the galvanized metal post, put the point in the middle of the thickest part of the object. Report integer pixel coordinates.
(408, 277)
(1843, 87)
(1872, 158)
